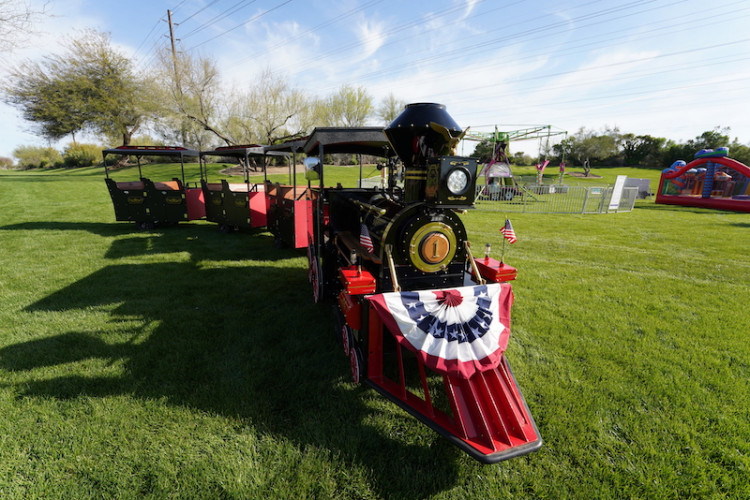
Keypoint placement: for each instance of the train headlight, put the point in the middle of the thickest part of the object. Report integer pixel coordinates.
(457, 181)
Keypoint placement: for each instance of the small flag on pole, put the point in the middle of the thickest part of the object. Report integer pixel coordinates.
(508, 233)
(365, 240)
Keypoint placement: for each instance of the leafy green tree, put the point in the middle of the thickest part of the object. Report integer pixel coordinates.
(53, 101)
(37, 157)
(483, 151)
(586, 146)
(740, 152)
(347, 107)
(390, 108)
(82, 155)
(710, 139)
(88, 87)
(643, 150)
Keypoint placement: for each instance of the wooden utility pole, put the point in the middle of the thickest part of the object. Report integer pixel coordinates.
(174, 51)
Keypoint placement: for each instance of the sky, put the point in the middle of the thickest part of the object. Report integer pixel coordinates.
(666, 68)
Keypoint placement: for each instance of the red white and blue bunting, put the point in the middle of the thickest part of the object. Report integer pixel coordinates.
(455, 331)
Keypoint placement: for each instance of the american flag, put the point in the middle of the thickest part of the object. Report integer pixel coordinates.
(508, 232)
(365, 240)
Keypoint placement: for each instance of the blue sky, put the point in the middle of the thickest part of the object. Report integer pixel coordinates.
(668, 68)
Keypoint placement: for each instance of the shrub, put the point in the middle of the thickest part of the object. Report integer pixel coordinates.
(82, 155)
(37, 157)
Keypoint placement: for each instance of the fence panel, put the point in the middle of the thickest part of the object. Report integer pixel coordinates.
(545, 199)
(553, 199)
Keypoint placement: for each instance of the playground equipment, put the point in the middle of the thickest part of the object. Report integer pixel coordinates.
(149, 203)
(711, 180)
(499, 181)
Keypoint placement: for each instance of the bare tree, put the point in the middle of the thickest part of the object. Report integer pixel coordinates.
(276, 109)
(190, 98)
(16, 23)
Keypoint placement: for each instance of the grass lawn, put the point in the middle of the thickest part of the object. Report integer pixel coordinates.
(186, 363)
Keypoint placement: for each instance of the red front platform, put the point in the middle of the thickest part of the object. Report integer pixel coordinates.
(486, 415)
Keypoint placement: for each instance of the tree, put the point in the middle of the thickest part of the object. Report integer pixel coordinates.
(276, 109)
(740, 152)
(390, 108)
(188, 98)
(586, 146)
(347, 107)
(483, 151)
(55, 102)
(88, 87)
(115, 98)
(711, 139)
(643, 150)
(16, 23)
(37, 157)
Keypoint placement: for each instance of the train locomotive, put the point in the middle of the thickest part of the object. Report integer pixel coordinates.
(423, 321)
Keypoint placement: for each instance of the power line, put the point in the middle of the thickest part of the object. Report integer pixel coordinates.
(222, 15)
(197, 12)
(252, 19)
(147, 36)
(516, 38)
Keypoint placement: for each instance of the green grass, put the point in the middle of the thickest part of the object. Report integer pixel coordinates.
(189, 363)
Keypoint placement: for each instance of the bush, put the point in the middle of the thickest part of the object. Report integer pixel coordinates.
(82, 155)
(37, 157)
(5, 162)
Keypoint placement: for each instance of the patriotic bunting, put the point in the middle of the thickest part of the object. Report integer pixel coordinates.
(455, 331)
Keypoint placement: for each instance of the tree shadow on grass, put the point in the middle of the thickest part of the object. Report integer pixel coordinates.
(226, 343)
(202, 241)
(99, 228)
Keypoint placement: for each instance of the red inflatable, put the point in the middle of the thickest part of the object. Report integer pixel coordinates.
(708, 182)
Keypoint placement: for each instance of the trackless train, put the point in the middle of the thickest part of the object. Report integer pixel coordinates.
(423, 321)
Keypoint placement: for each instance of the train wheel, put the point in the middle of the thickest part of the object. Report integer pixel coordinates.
(355, 360)
(309, 262)
(315, 279)
(346, 338)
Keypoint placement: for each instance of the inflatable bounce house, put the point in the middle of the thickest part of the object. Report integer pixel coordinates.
(711, 180)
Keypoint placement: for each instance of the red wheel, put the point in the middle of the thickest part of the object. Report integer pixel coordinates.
(355, 360)
(315, 279)
(345, 339)
(310, 259)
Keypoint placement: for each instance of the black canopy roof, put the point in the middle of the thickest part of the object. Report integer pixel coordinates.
(243, 151)
(151, 151)
(349, 140)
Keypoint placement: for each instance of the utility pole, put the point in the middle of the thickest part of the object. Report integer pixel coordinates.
(174, 51)
(183, 132)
